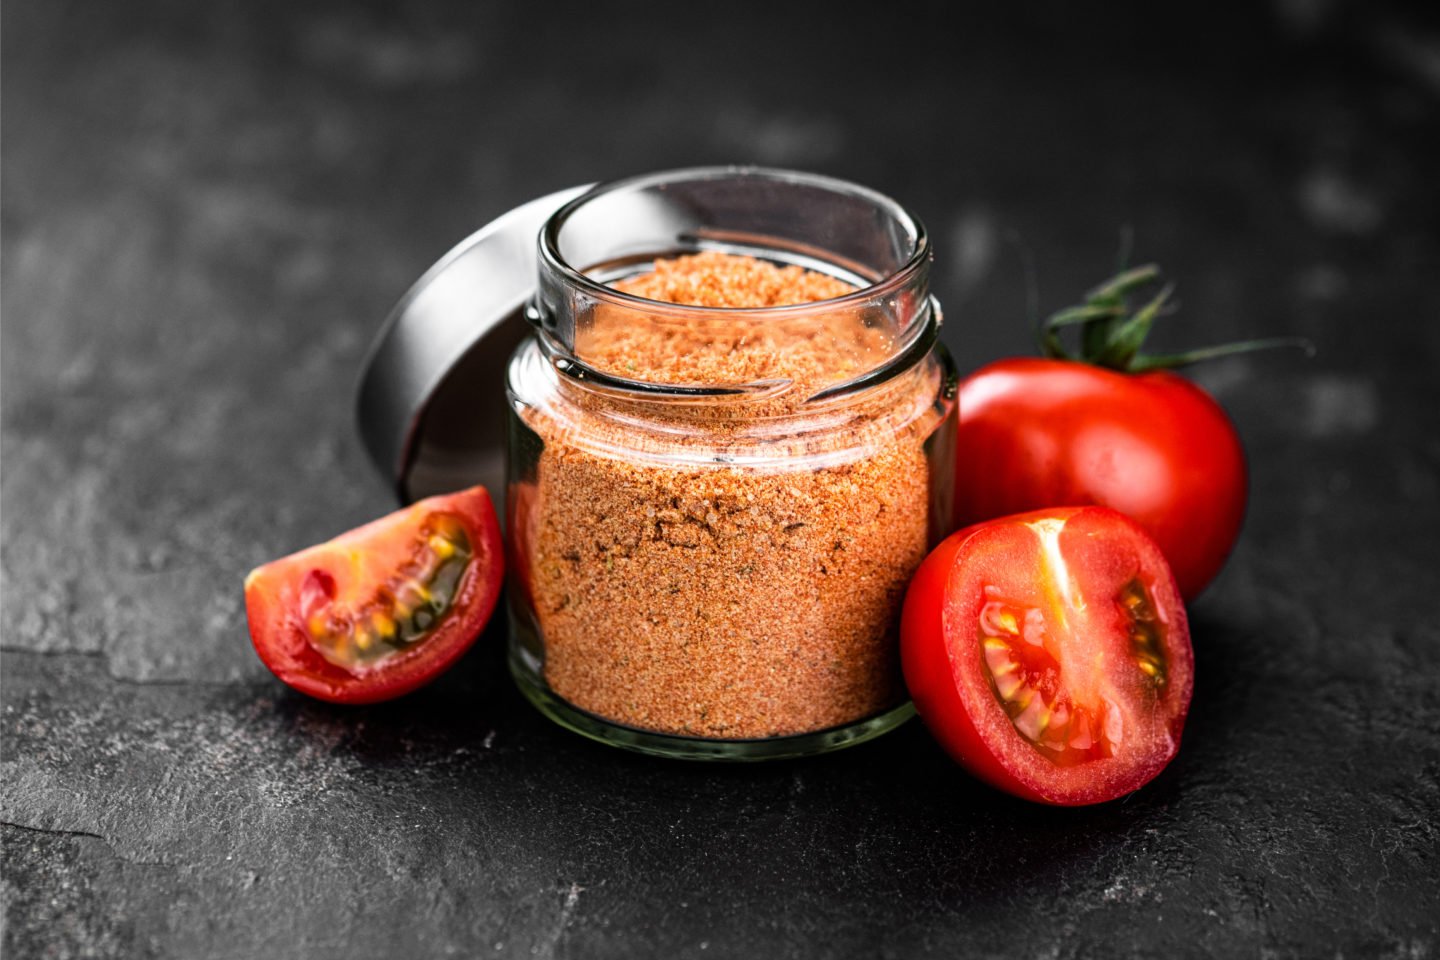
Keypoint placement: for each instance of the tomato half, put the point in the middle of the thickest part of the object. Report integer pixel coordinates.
(1049, 653)
(1037, 433)
(384, 608)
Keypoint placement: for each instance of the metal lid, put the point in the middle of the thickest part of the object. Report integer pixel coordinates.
(431, 403)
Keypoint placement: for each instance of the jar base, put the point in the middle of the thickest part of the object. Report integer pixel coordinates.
(699, 748)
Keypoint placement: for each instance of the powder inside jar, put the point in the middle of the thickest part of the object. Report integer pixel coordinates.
(681, 593)
(713, 279)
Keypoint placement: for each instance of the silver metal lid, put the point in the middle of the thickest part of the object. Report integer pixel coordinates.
(431, 403)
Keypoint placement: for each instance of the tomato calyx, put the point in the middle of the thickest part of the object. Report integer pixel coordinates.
(1111, 336)
(401, 612)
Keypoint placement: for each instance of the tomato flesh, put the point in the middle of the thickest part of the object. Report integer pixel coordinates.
(1050, 654)
(383, 609)
(401, 612)
(1025, 664)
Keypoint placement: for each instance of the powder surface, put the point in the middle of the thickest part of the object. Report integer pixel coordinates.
(713, 279)
(682, 595)
(799, 355)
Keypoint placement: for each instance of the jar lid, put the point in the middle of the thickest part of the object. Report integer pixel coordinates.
(431, 402)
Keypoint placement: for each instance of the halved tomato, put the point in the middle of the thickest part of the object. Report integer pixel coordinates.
(1049, 653)
(383, 609)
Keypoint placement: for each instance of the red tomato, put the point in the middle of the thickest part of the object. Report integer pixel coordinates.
(1050, 655)
(383, 609)
(1037, 433)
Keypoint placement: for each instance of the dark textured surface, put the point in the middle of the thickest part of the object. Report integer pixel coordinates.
(208, 207)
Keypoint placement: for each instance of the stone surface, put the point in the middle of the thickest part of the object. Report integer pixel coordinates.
(208, 208)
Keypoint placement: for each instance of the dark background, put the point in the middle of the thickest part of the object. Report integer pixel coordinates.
(207, 210)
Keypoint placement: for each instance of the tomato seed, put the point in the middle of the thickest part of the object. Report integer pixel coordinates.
(1025, 680)
(403, 610)
(1146, 643)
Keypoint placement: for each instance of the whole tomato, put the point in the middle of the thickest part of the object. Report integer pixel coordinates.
(1037, 433)
(1109, 426)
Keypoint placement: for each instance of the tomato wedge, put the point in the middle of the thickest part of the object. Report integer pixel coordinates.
(384, 608)
(1049, 653)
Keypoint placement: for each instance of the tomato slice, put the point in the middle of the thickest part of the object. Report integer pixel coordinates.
(1050, 654)
(384, 608)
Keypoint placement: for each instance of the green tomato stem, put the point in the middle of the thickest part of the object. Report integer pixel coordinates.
(1112, 337)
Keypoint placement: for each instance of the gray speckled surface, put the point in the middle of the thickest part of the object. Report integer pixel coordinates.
(208, 209)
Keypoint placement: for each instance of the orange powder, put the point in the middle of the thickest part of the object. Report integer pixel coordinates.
(717, 600)
(725, 280)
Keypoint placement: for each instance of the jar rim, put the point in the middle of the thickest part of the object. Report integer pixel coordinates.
(896, 280)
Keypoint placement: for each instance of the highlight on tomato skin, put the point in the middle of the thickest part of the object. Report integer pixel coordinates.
(385, 608)
(1049, 653)
(1154, 446)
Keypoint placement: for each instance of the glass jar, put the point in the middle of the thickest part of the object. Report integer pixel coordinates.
(709, 562)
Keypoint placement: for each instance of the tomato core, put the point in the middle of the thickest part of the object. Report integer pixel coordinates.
(1026, 679)
(1044, 668)
(402, 610)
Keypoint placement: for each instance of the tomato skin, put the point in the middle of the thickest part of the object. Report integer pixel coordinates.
(1037, 433)
(360, 558)
(942, 659)
(928, 671)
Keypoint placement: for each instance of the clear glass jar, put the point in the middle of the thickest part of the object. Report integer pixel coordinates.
(711, 565)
